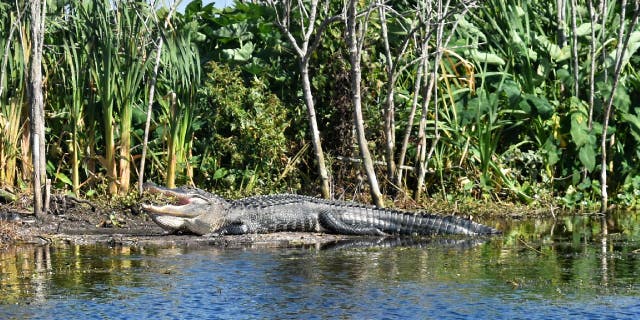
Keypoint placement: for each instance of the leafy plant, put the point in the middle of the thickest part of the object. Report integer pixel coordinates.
(242, 142)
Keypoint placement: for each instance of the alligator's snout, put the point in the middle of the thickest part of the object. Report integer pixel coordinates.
(184, 209)
(178, 201)
(181, 202)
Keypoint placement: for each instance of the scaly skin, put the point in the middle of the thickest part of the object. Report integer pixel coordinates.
(203, 213)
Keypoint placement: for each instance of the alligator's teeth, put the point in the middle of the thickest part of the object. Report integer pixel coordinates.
(167, 210)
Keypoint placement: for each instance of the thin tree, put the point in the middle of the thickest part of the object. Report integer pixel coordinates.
(395, 67)
(355, 40)
(593, 18)
(560, 17)
(623, 43)
(7, 49)
(417, 86)
(592, 64)
(574, 48)
(152, 90)
(389, 109)
(443, 11)
(36, 102)
(304, 48)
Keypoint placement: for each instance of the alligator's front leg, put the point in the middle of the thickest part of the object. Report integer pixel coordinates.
(329, 220)
(236, 228)
(232, 229)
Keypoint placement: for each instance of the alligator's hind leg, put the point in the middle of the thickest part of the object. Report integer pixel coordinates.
(330, 220)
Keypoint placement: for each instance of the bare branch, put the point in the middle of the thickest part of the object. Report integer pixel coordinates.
(318, 35)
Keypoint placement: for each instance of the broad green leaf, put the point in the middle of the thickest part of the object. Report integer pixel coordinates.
(634, 44)
(587, 157)
(585, 29)
(469, 29)
(485, 57)
(235, 32)
(634, 124)
(239, 54)
(512, 90)
(515, 37)
(621, 99)
(220, 173)
(62, 177)
(563, 75)
(200, 37)
(579, 131)
(519, 11)
(555, 52)
(543, 107)
(551, 151)
(524, 106)
(532, 54)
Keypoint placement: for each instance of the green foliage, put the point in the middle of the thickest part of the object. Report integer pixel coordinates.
(505, 122)
(14, 50)
(560, 127)
(583, 137)
(176, 86)
(241, 138)
(243, 36)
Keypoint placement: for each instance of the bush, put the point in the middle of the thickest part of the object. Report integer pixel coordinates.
(241, 136)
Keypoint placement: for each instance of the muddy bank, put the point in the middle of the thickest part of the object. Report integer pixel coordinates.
(118, 226)
(276, 240)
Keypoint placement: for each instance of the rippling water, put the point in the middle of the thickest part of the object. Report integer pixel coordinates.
(537, 270)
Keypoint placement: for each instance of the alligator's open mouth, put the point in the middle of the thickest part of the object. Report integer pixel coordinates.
(183, 209)
(178, 202)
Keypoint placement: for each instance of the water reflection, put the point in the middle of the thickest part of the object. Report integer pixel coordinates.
(574, 262)
(599, 252)
(35, 273)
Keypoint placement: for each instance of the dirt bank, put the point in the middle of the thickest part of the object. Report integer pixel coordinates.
(87, 223)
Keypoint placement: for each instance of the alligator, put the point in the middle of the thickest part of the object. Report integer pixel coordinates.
(202, 213)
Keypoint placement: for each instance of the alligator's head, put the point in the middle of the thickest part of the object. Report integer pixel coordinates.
(188, 210)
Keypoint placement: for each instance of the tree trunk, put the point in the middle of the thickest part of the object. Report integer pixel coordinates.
(421, 162)
(37, 106)
(414, 107)
(354, 58)
(592, 62)
(623, 42)
(389, 109)
(147, 125)
(152, 89)
(304, 50)
(574, 49)
(315, 133)
(560, 17)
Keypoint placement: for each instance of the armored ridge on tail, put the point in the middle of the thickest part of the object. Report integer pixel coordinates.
(200, 212)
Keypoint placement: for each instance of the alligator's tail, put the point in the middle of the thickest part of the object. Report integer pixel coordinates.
(400, 222)
(435, 224)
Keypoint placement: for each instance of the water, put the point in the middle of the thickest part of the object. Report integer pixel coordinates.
(537, 270)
